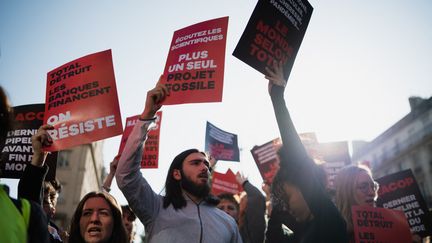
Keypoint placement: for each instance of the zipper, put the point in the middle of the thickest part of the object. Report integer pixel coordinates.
(201, 226)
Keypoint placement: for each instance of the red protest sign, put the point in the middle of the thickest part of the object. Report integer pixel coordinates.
(82, 102)
(225, 183)
(194, 69)
(267, 160)
(150, 156)
(380, 225)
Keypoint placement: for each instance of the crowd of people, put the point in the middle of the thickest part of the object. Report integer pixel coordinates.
(296, 207)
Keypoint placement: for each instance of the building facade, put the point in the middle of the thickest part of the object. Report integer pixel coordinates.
(80, 170)
(405, 145)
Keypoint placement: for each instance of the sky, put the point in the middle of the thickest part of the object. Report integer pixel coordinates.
(358, 64)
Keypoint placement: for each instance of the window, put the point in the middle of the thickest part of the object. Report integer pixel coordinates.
(384, 153)
(63, 159)
(396, 148)
(418, 170)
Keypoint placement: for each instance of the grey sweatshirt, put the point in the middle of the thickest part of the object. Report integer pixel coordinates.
(194, 223)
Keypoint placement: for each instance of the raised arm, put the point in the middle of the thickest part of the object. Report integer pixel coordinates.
(295, 157)
(254, 223)
(109, 178)
(290, 139)
(31, 183)
(142, 199)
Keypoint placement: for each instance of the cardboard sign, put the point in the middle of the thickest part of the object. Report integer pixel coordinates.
(400, 191)
(333, 155)
(274, 34)
(376, 225)
(267, 159)
(336, 156)
(225, 183)
(194, 70)
(220, 144)
(17, 151)
(150, 156)
(81, 101)
(310, 142)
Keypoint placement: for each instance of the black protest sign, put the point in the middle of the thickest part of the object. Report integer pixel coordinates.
(267, 159)
(336, 156)
(274, 34)
(17, 151)
(220, 144)
(400, 191)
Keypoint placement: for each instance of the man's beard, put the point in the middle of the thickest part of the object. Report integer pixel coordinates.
(200, 191)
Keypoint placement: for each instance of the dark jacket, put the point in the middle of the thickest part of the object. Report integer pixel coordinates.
(253, 228)
(30, 187)
(327, 225)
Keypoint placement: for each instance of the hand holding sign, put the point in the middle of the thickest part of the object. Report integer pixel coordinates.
(39, 141)
(276, 76)
(108, 180)
(241, 179)
(113, 164)
(154, 100)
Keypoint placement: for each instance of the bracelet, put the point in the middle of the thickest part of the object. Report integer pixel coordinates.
(147, 119)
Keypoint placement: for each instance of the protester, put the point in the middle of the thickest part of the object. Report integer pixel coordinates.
(229, 204)
(127, 215)
(97, 218)
(33, 186)
(354, 186)
(49, 205)
(53, 196)
(248, 213)
(280, 224)
(129, 222)
(296, 182)
(22, 220)
(187, 212)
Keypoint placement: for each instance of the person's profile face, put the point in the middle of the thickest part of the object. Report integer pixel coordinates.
(96, 221)
(228, 207)
(48, 205)
(295, 202)
(365, 189)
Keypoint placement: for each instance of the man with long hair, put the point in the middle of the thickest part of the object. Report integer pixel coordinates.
(187, 212)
